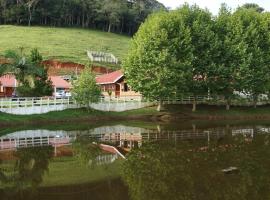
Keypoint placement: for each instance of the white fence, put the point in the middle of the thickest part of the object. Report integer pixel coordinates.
(29, 106)
(38, 105)
(34, 101)
(96, 56)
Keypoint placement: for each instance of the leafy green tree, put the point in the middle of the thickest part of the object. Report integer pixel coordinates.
(31, 75)
(203, 42)
(254, 75)
(253, 6)
(85, 90)
(159, 56)
(228, 58)
(21, 66)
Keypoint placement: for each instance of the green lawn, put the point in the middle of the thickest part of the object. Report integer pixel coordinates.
(73, 114)
(65, 44)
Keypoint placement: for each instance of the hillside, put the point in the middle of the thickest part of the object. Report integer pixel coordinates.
(65, 44)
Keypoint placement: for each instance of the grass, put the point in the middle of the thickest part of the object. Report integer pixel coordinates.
(71, 117)
(221, 112)
(73, 114)
(65, 44)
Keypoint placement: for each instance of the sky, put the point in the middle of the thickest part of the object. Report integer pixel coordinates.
(214, 5)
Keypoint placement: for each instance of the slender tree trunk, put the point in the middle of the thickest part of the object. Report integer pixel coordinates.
(17, 15)
(194, 105)
(228, 103)
(160, 105)
(30, 15)
(255, 100)
(110, 26)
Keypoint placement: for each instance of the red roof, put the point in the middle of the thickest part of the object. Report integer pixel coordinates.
(59, 82)
(109, 78)
(7, 81)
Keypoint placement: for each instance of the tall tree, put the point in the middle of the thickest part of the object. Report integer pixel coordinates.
(159, 55)
(254, 75)
(203, 42)
(228, 58)
(30, 4)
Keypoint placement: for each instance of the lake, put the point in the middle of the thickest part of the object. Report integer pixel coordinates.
(137, 161)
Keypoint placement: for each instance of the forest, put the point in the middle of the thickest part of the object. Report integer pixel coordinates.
(119, 16)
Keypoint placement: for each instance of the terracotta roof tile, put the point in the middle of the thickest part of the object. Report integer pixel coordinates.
(7, 81)
(109, 78)
(59, 82)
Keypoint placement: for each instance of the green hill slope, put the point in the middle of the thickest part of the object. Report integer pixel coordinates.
(65, 44)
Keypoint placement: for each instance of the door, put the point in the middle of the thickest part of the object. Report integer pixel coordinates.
(117, 90)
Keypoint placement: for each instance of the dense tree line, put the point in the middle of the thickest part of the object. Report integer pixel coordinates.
(121, 16)
(189, 51)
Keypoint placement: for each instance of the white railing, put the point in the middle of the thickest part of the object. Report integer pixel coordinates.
(53, 101)
(34, 101)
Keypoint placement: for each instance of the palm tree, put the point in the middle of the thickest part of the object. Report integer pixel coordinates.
(24, 70)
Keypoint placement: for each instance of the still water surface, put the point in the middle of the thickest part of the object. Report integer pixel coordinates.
(172, 161)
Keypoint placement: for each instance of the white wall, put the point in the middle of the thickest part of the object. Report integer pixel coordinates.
(103, 106)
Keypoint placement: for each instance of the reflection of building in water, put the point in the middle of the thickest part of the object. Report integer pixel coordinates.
(33, 138)
(125, 140)
(131, 137)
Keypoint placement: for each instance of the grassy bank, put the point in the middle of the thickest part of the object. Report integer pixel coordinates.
(219, 112)
(75, 115)
(65, 44)
(145, 114)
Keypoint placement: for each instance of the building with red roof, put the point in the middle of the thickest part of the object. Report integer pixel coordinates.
(60, 84)
(8, 83)
(115, 82)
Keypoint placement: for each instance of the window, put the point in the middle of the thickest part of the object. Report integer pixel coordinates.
(126, 88)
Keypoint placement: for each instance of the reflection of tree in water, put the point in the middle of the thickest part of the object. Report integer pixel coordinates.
(86, 150)
(164, 171)
(27, 172)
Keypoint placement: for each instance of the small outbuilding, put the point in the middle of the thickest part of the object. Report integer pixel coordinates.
(115, 84)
